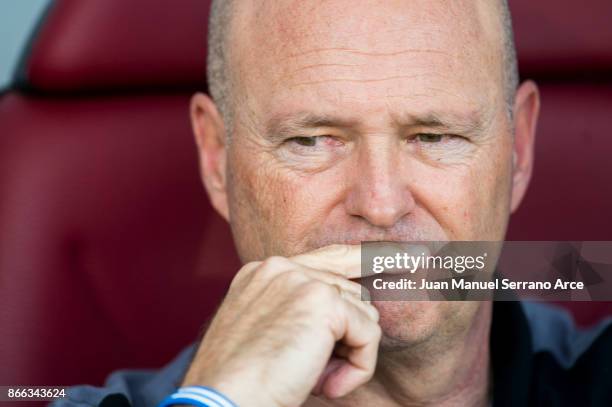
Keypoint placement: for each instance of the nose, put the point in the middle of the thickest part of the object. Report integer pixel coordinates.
(379, 192)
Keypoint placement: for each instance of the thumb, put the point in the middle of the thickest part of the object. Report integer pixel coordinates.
(333, 365)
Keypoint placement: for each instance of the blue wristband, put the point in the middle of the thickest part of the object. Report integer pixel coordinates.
(199, 396)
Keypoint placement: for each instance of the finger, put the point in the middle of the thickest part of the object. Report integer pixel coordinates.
(351, 291)
(348, 290)
(363, 305)
(275, 266)
(351, 287)
(361, 340)
(344, 260)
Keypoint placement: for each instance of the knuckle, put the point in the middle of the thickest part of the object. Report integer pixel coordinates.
(354, 286)
(309, 288)
(269, 268)
(236, 281)
(287, 282)
(247, 272)
(293, 277)
(376, 332)
(275, 262)
(340, 249)
(244, 273)
(248, 269)
(375, 312)
(262, 274)
(321, 291)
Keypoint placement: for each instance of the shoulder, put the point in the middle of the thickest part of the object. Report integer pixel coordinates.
(554, 332)
(569, 362)
(131, 387)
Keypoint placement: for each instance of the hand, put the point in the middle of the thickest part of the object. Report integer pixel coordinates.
(289, 327)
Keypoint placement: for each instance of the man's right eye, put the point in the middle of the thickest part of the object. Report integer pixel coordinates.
(303, 141)
(322, 141)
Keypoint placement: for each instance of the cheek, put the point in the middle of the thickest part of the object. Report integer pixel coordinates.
(450, 196)
(470, 202)
(274, 208)
(250, 203)
(257, 201)
(306, 207)
(487, 187)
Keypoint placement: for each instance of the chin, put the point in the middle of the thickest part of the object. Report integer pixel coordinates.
(407, 324)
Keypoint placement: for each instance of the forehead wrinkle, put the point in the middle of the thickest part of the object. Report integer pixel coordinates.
(354, 80)
(323, 65)
(352, 36)
(337, 67)
(365, 53)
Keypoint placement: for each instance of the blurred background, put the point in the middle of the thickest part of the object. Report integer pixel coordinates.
(111, 256)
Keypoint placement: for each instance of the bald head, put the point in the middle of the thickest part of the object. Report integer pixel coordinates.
(217, 67)
(219, 48)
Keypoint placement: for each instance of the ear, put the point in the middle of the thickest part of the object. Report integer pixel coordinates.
(526, 112)
(209, 132)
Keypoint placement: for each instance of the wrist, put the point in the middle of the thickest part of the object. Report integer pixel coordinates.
(198, 396)
(241, 392)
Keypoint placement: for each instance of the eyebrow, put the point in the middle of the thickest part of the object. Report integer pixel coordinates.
(471, 123)
(282, 127)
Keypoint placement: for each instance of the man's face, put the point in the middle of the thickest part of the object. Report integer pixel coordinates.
(368, 120)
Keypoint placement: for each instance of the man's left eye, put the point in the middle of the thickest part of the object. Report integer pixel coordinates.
(430, 137)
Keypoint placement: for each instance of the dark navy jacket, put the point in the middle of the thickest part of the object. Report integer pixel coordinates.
(539, 358)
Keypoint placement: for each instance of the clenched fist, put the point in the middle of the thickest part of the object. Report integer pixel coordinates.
(289, 327)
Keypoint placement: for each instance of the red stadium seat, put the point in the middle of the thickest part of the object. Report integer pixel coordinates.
(111, 256)
(565, 46)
